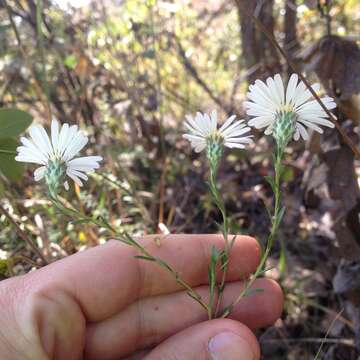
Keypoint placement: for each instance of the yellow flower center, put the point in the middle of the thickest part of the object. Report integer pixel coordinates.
(216, 136)
(287, 108)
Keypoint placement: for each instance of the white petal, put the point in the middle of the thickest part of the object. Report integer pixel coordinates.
(213, 117)
(302, 94)
(192, 137)
(63, 139)
(261, 89)
(256, 109)
(204, 125)
(85, 161)
(302, 131)
(262, 121)
(234, 145)
(39, 173)
(29, 159)
(280, 87)
(55, 135)
(296, 134)
(33, 152)
(316, 120)
(195, 125)
(70, 173)
(233, 127)
(30, 145)
(227, 123)
(278, 98)
(243, 140)
(78, 142)
(38, 138)
(207, 124)
(238, 132)
(192, 130)
(290, 91)
(200, 147)
(310, 125)
(79, 174)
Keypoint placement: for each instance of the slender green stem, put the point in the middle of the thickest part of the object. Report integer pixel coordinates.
(224, 257)
(275, 222)
(126, 238)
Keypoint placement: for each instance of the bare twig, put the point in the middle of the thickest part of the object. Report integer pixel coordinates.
(189, 66)
(346, 342)
(25, 57)
(327, 334)
(155, 45)
(23, 235)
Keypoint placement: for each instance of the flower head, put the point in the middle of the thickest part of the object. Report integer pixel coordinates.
(286, 111)
(204, 132)
(56, 154)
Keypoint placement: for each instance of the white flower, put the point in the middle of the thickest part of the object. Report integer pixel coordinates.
(61, 148)
(204, 129)
(269, 101)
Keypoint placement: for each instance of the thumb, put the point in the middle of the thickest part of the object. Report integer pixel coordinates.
(221, 339)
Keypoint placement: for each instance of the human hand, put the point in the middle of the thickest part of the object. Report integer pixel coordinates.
(105, 304)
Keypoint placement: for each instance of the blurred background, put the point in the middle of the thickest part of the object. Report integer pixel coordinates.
(128, 72)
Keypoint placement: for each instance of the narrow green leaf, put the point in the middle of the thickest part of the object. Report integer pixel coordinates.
(250, 292)
(271, 181)
(142, 257)
(197, 299)
(13, 122)
(280, 216)
(214, 254)
(264, 271)
(268, 210)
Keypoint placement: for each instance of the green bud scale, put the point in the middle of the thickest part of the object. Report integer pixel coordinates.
(214, 150)
(54, 176)
(284, 128)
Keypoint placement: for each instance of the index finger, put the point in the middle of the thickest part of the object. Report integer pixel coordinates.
(105, 279)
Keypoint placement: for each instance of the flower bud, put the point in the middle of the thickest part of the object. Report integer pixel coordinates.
(284, 128)
(54, 176)
(214, 150)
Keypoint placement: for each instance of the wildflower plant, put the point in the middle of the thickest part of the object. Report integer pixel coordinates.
(205, 135)
(56, 155)
(285, 112)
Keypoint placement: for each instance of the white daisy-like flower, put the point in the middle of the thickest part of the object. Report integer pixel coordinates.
(270, 100)
(56, 154)
(203, 129)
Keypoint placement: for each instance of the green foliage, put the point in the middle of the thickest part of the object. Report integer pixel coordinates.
(8, 166)
(13, 122)
(70, 61)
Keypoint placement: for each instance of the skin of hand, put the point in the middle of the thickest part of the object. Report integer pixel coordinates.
(103, 303)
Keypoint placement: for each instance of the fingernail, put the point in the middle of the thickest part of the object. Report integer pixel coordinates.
(230, 346)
